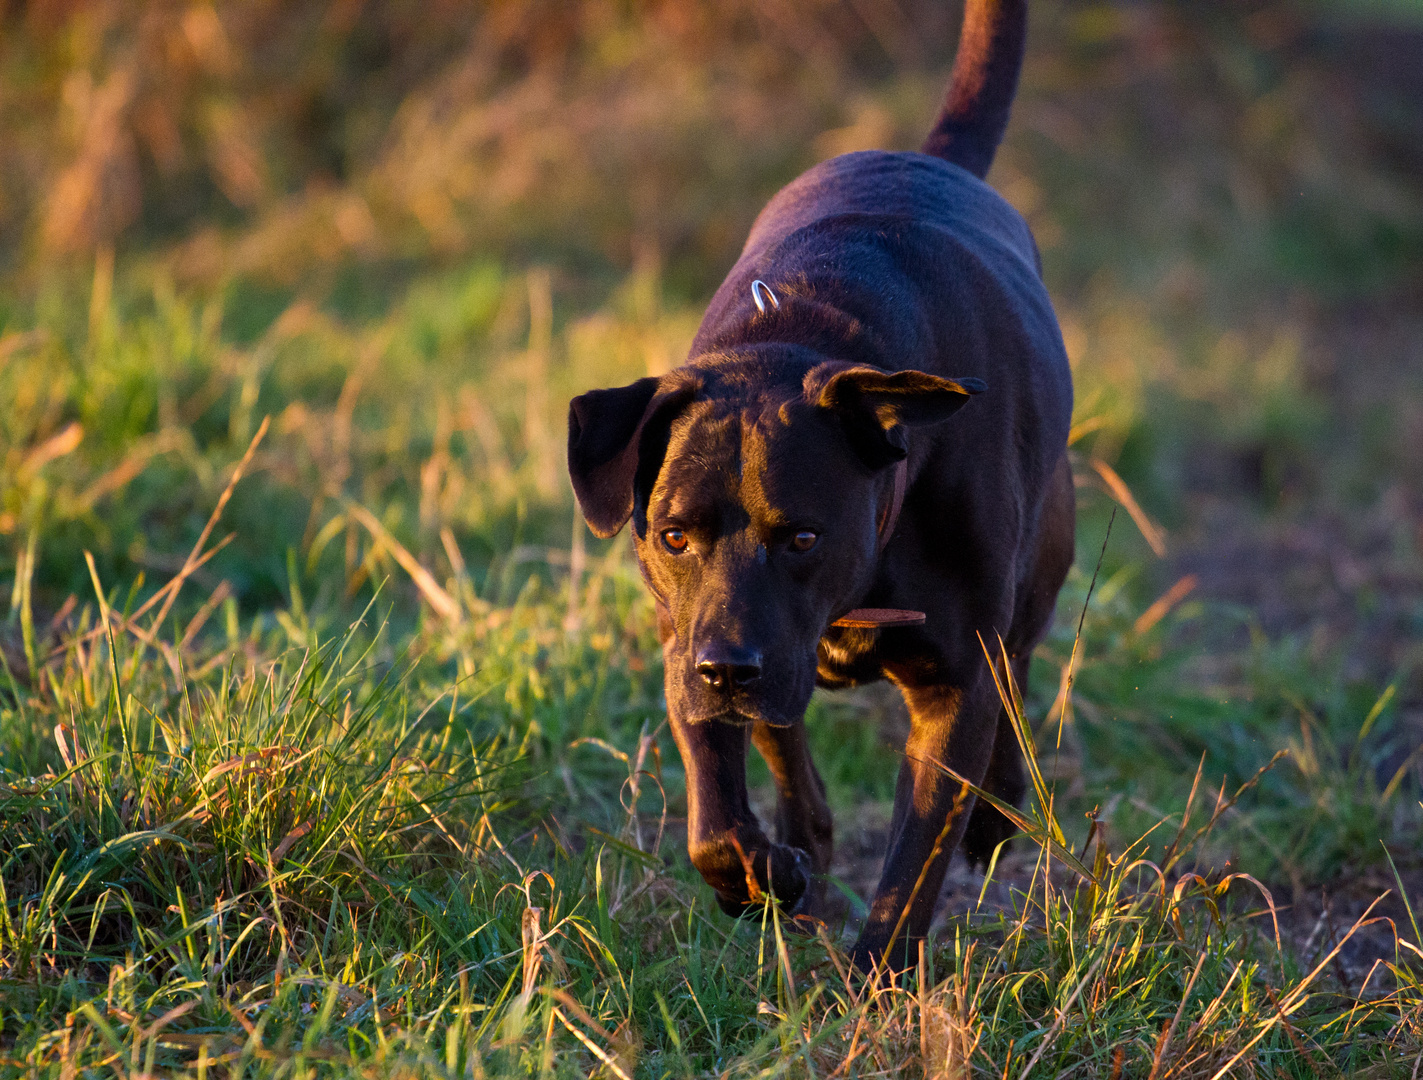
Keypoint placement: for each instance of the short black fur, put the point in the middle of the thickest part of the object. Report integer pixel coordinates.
(910, 324)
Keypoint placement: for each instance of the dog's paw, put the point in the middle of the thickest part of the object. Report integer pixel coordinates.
(790, 882)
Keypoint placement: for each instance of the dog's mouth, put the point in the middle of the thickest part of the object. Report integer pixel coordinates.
(742, 715)
(777, 698)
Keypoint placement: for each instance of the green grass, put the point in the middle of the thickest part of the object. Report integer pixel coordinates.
(355, 821)
(320, 855)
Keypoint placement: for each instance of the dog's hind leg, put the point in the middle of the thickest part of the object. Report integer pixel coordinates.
(987, 827)
(803, 818)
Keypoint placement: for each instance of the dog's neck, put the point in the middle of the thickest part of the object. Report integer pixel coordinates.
(879, 618)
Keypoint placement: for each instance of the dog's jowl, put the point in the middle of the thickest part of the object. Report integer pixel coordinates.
(874, 415)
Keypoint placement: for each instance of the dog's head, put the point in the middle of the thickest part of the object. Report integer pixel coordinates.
(756, 490)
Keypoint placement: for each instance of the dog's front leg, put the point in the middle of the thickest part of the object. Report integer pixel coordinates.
(726, 843)
(931, 809)
(803, 818)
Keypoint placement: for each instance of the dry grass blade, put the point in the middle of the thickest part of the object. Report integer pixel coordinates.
(1295, 998)
(168, 594)
(1152, 533)
(195, 624)
(1300, 1048)
(1038, 832)
(1165, 1043)
(1163, 604)
(923, 1004)
(1168, 858)
(1069, 673)
(1223, 804)
(1061, 1017)
(131, 623)
(137, 459)
(954, 812)
(1012, 702)
(191, 562)
(279, 852)
(531, 936)
(593, 1048)
(63, 442)
(443, 603)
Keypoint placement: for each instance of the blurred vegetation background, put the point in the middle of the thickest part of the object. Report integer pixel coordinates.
(1227, 196)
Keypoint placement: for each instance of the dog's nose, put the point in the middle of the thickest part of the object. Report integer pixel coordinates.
(726, 667)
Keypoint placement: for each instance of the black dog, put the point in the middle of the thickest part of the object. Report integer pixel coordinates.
(802, 464)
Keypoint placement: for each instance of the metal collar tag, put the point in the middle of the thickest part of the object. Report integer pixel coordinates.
(873, 618)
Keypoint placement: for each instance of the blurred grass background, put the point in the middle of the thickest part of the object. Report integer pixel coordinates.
(408, 233)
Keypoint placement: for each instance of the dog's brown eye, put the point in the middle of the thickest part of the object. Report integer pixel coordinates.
(804, 540)
(675, 539)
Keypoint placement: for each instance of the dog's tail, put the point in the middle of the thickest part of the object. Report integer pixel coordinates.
(985, 77)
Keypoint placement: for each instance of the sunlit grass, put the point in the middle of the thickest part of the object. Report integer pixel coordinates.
(319, 857)
(345, 752)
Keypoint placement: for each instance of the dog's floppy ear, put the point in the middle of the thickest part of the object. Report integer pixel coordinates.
(876, 406)
(609, 433)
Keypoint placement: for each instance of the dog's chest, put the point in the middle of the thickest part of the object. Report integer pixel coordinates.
(847, 657)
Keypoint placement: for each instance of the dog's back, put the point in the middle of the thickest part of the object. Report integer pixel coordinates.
(915, 187)
(877, 233)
